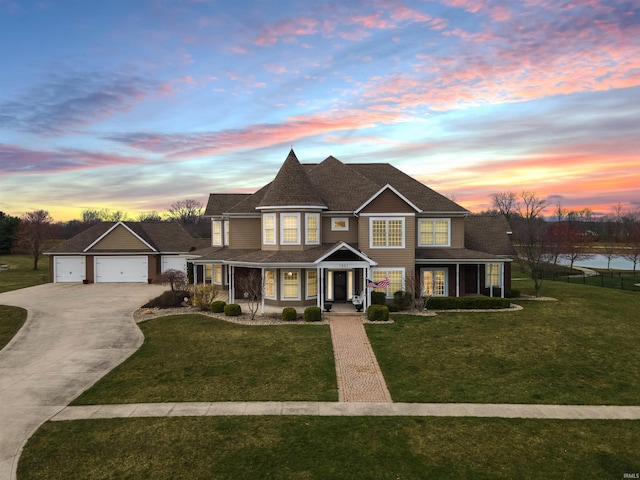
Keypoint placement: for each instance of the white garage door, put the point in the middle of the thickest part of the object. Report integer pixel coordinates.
(69, 269)
(173, 262)
(122, 269)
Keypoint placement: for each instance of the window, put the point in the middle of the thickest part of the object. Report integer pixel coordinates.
(434, 232)
(313, 228)
(226, 232)
(269, 228)
(492, 271)
(290, 285)
(216, 233)
(208, 272)
(434, 282)
(290, 228)
(339, 224)
(269, 284)
(396, 280)
(312, 283)
(386, 233)
(217, 274)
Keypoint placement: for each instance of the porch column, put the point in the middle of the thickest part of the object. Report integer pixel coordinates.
(320, 301)
(231, 285)
(262, 295)
(368, 275)
(490, 279)
(364, 287)
(502, 280)
(457, 279)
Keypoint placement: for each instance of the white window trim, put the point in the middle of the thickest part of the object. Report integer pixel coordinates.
(306, 228)
(275, 284)
(216, 224)
(387, 219)
(487, 283)
(282, 275)
(264, 230)
(339, 229)
(306, 292)
(436, 269)
(282, 215)
(213, 273)
(387, 270)
(432, 220)
(226, 232)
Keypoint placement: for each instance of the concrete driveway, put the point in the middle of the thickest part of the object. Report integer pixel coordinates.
(73, 336)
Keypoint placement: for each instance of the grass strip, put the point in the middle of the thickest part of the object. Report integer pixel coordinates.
(581, 349)
(331, 447)
(11, 320)
(199, 358)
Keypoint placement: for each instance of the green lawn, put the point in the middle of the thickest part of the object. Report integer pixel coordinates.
(582, 349)
(11, 320)
(21, 273)
(198, 358)
(331, 448)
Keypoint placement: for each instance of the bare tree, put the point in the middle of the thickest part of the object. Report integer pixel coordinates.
(177, 279)
(252, 285)
(632, 248)
(149, 217)
(91, 216)
(34, 231)
(186, 211)
(531, 239)
(506, 203)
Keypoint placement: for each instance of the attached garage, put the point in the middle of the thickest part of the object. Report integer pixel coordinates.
(174, 262)
(69, 269)
(122, 269)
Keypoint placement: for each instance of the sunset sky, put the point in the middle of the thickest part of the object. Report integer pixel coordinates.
(134, 104)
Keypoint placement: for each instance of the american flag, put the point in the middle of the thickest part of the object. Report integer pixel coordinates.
(384, 283)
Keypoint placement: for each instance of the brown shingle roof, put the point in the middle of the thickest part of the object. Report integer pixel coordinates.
(339, 187)
(162, 236)
(220, 203)
(488, 233)
(291, 187)
(452, 254)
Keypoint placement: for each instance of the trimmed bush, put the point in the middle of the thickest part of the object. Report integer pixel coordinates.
(513, 293)
(378, 298)
(289, 314)
(403, 300)
(168, 299)
(312, 314)
(218, 306)
(232, 310)
(466, 303)
(378, 313)
(393, 308)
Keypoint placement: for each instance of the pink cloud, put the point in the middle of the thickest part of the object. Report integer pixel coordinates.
(18, 160)
(288, 28)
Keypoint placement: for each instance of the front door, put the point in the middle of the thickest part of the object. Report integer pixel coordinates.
(339, 286)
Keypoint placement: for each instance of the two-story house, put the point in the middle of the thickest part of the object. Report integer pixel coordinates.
(318, 232)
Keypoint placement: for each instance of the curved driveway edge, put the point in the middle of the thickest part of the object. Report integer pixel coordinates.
(73, 336)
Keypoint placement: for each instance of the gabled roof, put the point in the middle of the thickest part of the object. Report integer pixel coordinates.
(488, 233)
(335, 186)
(220, 203)
(168, 237)
(291, 187)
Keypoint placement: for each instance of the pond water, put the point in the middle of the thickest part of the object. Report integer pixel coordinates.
(600, 261)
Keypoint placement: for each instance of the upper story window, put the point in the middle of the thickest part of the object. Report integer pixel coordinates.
(386, 232)
(290, 228)
(269, 228)
(434, 232)
(339, 224)
(226, 232)
(216, 232)
(313, 228)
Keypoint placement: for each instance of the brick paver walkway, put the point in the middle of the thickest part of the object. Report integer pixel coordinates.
(358, 372)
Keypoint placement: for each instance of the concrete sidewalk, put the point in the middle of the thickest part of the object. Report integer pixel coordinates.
(328, 409)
